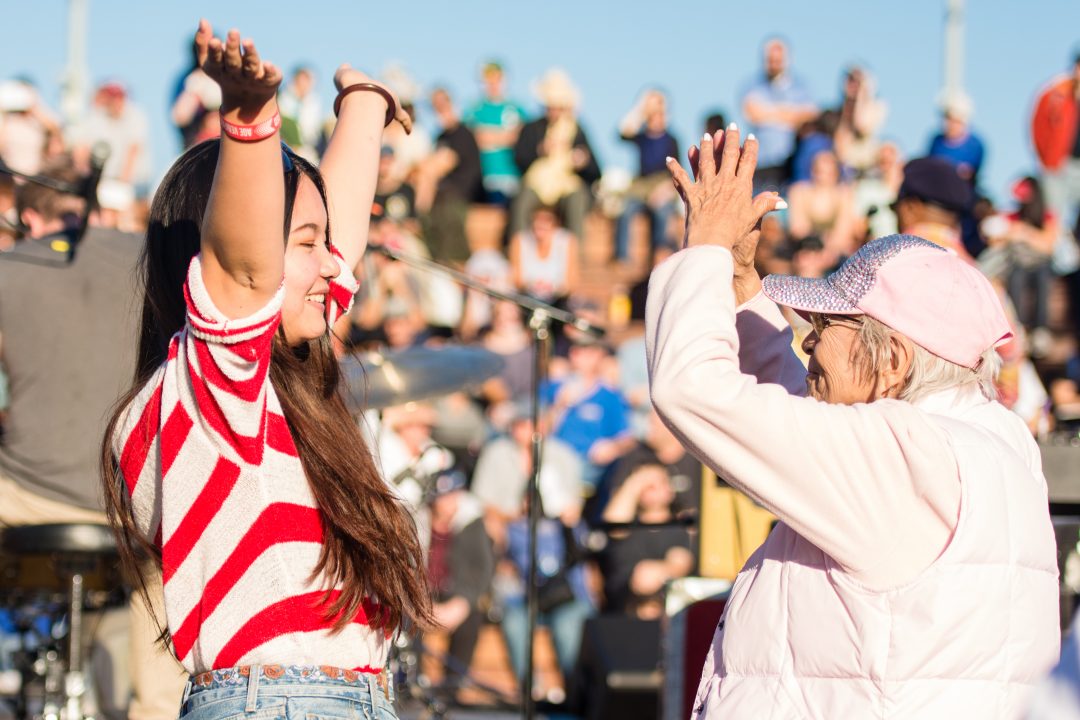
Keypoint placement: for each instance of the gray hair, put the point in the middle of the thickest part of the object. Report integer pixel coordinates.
(928, 373)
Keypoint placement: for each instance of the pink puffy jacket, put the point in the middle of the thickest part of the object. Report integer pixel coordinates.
(913, 574)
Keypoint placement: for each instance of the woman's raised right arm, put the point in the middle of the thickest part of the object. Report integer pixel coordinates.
(243, 248)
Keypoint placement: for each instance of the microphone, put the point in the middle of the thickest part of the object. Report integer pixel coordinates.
(99, 155)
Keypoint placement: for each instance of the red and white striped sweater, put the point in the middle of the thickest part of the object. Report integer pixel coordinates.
(215, 480)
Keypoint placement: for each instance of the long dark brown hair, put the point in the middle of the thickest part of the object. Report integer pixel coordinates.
(370, 545)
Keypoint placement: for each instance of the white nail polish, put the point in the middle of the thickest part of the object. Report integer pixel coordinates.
(669, 159)
(751, 137)
(781, 205)
(706, 138)
(732, 126)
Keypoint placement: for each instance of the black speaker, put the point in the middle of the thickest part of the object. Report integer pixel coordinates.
(618, 673)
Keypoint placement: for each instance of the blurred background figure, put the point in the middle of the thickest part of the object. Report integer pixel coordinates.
(587, 413)
(651, 193)
(410, 149)
(448, 182)
(501, 483)
(29, 132)
(638, 562)
(117, 124)
(957, 142)
(496, 123)
(301, 114)
(1021, 244)
(544, 257)
(460, 563)
(824, 206)
(861, 115)
(196, 101)
(875, 191)
(557, 163)
(1055, 133)
(776, 104)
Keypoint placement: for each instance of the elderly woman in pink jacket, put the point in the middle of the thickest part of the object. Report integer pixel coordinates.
(912, 573)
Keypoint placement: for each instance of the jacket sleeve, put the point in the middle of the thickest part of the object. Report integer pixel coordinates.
(528, 142)
(874, 486)
(765, 345)
(591, 172)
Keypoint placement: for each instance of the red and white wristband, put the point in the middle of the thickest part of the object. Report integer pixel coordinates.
(252, 133)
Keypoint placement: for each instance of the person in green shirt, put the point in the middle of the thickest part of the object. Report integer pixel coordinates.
(496, 121)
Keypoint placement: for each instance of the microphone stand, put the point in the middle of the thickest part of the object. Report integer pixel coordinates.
(541, 315)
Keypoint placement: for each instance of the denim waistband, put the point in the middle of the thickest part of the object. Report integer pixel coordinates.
(255, 676)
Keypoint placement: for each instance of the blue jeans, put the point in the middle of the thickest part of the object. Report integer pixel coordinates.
(566, 623)
(292, 692)
(658, 222)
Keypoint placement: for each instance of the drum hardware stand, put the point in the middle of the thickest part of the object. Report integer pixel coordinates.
(541, 315)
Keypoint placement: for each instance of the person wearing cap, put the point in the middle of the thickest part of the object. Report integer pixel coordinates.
(912, 573)
(460, 561)
(930, 202)
(29, 133)
(118, 124)
(557, 164)
(586, 413)
(957, 142)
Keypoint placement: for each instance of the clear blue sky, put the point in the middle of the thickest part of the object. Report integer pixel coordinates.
(702, 53)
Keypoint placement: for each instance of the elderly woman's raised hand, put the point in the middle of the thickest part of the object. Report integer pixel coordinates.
(247, 81)
(720, 207)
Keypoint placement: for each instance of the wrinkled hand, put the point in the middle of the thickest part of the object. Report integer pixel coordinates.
(347, 75)
(247, 81)
(720, 209)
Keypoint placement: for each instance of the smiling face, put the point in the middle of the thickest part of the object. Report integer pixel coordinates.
(832, 375)
(309, 268)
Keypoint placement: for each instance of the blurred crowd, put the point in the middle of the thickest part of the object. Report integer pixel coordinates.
(569, 234)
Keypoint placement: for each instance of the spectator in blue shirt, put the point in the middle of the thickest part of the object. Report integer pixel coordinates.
(956, 142)
(587, 414)
(776, 104)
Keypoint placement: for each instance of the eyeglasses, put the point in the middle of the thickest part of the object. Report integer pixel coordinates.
(820, 322)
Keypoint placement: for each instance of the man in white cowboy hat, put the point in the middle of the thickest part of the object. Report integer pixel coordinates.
(556, 162)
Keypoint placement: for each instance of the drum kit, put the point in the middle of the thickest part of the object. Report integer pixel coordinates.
(54, 576)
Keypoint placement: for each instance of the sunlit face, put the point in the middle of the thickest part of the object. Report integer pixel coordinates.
(775, 58)
(824, 169)
(955, 127)
(493, 82)
(309, 268)
(656, 491)
(544, 224)
(832, 373)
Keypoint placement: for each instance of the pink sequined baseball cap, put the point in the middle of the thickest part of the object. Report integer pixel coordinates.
(913, 286)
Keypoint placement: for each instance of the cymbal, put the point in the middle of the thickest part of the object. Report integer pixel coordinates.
(383, 379)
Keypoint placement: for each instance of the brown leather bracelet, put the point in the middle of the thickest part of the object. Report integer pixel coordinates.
(391, 105)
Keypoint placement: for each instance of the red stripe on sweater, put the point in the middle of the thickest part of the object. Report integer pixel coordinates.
(278, 523)
(300, 613)
(245, 390)
(341, 298)
(278, 435)
(173, 436)
(213, 327)
(250, 449)
(137, 446)
(202, 511)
